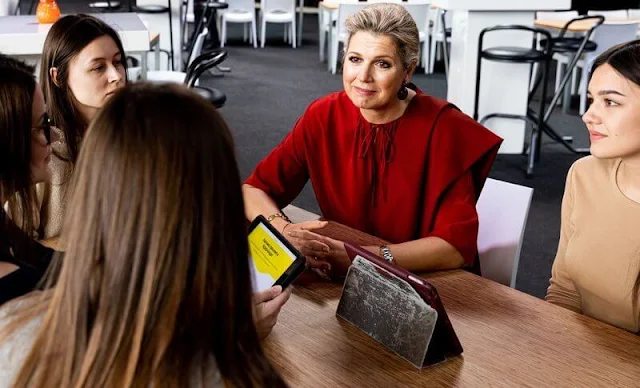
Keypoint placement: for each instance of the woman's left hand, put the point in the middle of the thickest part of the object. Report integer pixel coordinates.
(336, 256)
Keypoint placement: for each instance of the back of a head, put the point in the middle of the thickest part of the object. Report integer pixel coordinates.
(391, 20)
(67, 38)
(156, 263)
(17, 88)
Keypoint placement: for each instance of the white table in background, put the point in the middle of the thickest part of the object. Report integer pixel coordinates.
(22, 35)
(504, 87)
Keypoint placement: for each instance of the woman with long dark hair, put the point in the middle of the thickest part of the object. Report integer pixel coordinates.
(154, 289)
(597, 268)
(25, 152)
(83, 64)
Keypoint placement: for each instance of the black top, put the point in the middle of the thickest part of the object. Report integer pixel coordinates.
(18, 248)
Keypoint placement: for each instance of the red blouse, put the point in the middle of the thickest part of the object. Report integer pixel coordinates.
(415, 177)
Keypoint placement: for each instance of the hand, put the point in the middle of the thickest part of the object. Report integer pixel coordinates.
(311, 248)
(336, 254)
(267, 305)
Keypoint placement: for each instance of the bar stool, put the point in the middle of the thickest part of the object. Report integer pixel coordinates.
(517, 55)
(574, 46)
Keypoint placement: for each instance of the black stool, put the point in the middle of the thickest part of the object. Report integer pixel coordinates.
(201, 64)
(576, 46)
(517, 55)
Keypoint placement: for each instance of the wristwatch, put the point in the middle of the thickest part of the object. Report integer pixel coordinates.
(385, 252)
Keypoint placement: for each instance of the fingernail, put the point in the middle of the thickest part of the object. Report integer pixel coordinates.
(277, 290)
(326, 249)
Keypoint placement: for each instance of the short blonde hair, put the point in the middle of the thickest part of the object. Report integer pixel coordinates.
(390, 20)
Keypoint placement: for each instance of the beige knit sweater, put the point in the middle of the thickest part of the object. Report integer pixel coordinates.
(52, 196)
(598, 259)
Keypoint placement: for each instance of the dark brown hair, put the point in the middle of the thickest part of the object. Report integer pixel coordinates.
(17, 88)
(624, 59)
(155, 284)
(66, 39)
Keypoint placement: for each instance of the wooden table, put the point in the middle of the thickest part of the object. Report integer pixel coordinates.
(579, 26)
(509, 339)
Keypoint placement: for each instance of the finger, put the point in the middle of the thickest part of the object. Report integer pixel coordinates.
(267, 295)
(311, 225)
(272, 308)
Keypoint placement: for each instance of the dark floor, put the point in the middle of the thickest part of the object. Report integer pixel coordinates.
(268, 89)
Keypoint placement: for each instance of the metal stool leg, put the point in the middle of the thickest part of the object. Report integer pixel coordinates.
(478, 72)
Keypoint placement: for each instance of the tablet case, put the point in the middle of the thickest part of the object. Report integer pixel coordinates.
(397, 308)
(297, 267)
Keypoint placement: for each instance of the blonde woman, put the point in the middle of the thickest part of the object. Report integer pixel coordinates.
(382, 158)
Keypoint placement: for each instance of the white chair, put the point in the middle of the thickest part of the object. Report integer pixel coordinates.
(338, 33)
(239, 11)
(179, 76)
(633, 13)
(419, 11)
(438, 36)
(278, 11)
(9, 7)
(605, 36)
(326, 20)
(502, 213)
(617, 14)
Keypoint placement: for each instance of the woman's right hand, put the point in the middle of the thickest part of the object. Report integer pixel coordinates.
(308, 247)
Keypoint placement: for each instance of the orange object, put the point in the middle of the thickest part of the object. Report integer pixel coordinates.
(47, 11)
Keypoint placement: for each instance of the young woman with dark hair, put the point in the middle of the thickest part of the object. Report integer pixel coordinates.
(25, 152)
(597, 268)
(155, 288)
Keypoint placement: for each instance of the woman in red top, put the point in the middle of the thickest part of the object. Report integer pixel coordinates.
(382, 158)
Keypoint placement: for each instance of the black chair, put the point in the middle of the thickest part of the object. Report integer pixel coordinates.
(517, 55)
(201, 64)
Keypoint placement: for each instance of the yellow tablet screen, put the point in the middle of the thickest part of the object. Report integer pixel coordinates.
(269, 258)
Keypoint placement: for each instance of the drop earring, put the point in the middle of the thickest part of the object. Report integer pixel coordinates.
(403, 92)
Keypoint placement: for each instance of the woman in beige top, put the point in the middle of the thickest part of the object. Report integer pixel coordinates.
(597, 268)
(83, 63)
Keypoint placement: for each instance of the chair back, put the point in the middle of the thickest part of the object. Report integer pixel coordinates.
(241, 6)
(607, 36)
(278, 6)
(560, 15)
(419, 11)
(634, 13)
(9, 7)
(344, 11)
(617, 14)
(196, 50)
(502, 213)
(203, 63)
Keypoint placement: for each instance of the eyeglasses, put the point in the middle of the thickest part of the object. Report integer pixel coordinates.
(45, 127)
